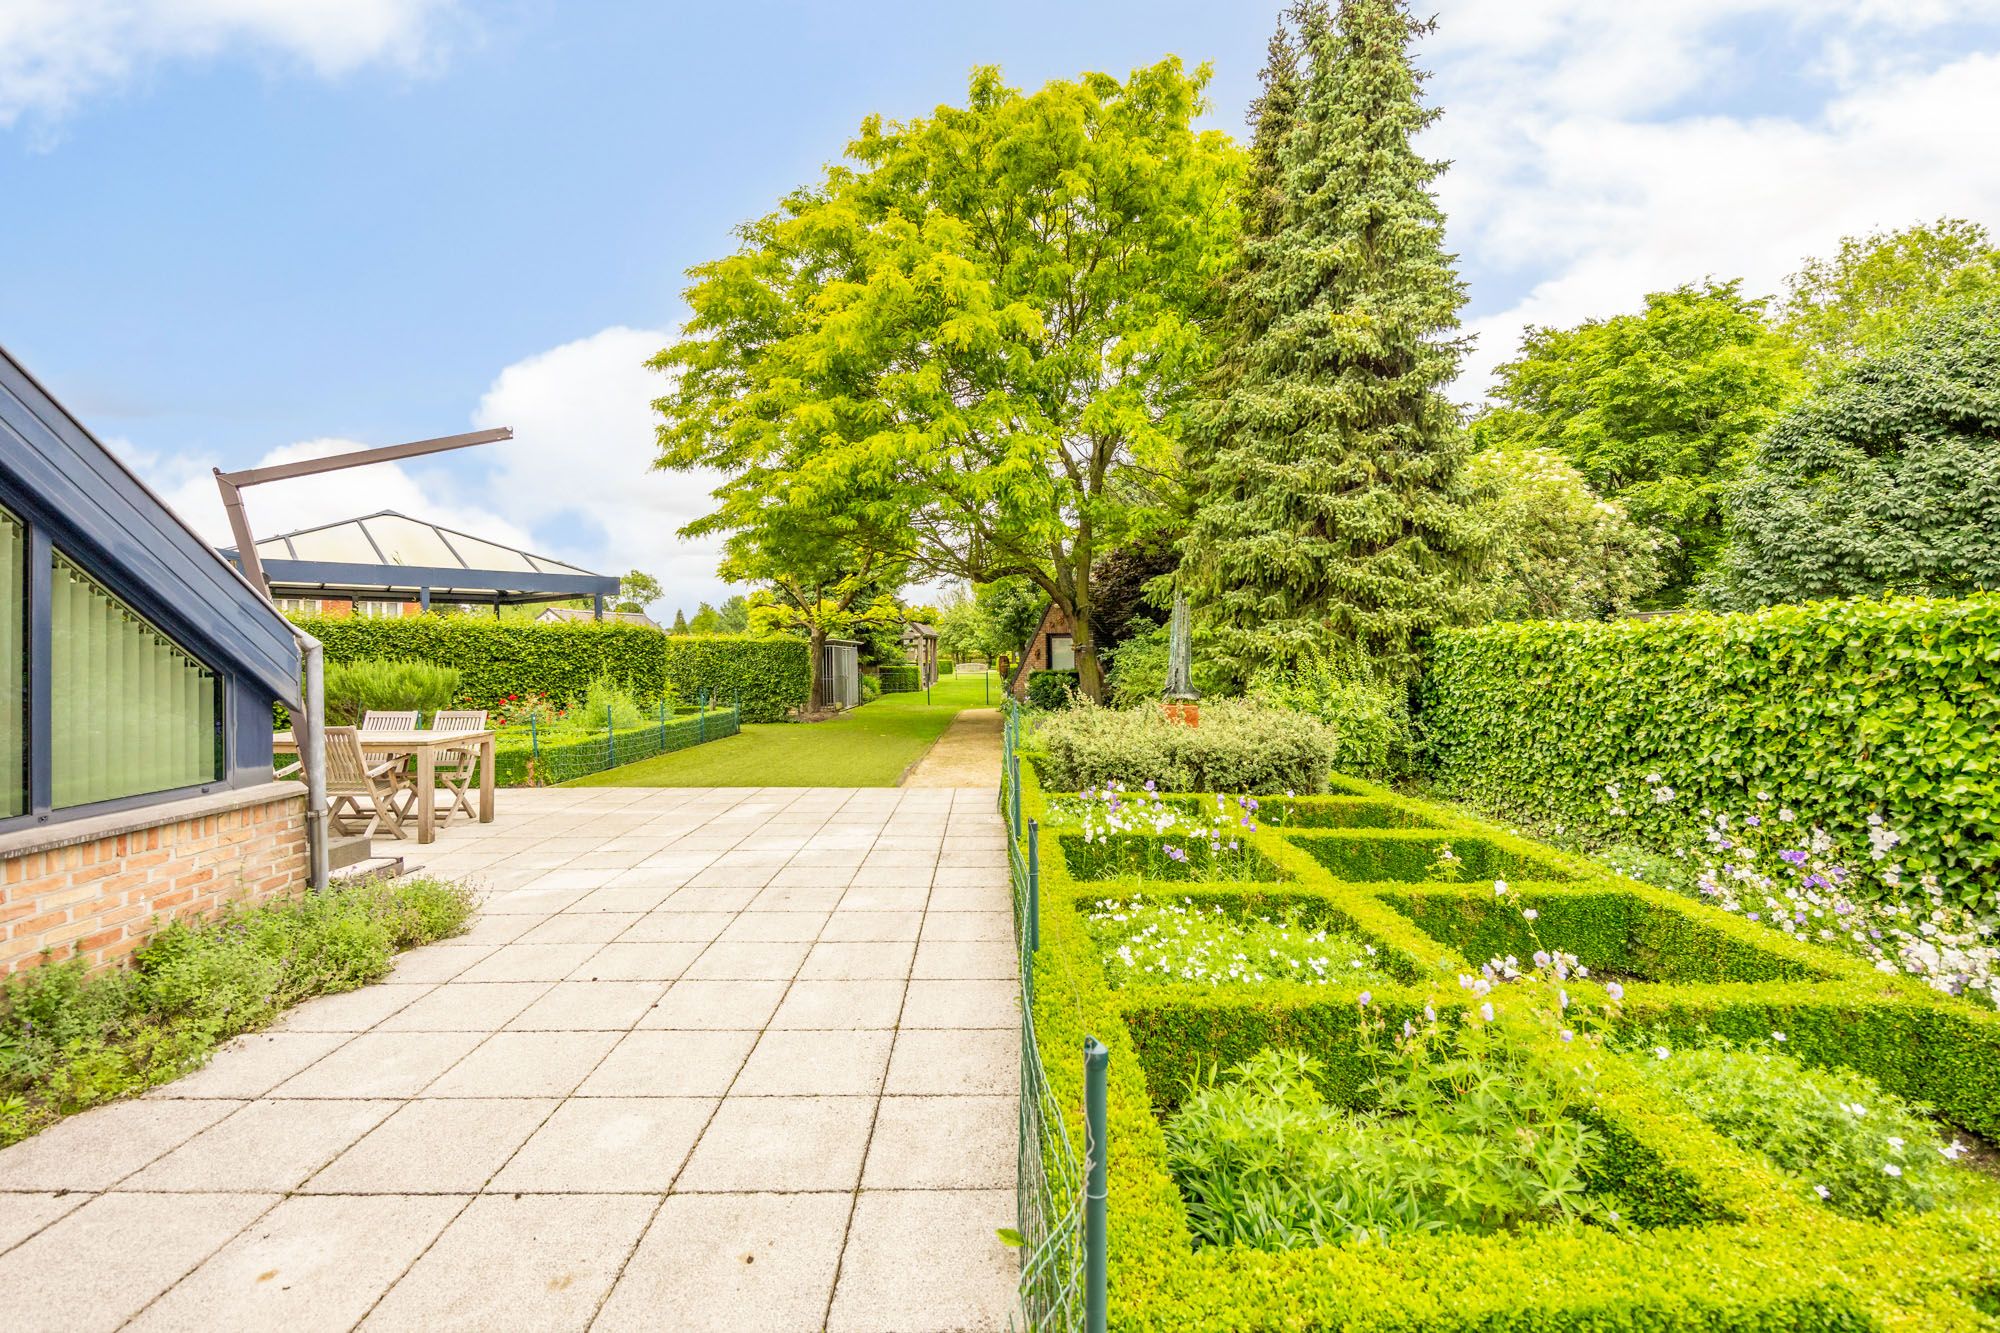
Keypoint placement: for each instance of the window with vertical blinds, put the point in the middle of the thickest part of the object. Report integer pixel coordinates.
(132, 712)
(13, 666)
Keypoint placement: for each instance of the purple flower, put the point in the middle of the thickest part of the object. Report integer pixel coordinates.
(1486, 1011)
(1149, 785)
(1567, 1035)
(1614, 990)
(1794, 856)
(1364, 998)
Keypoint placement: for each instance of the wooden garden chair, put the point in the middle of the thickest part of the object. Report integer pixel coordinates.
(377, 720)
(355, 788)
(458, 769)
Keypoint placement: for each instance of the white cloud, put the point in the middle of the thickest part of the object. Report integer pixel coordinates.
(1591, 164)
(583, 450)
(56, 53)
(575, 482)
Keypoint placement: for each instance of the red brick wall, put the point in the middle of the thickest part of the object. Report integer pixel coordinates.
(1055, 620)
(102, 899)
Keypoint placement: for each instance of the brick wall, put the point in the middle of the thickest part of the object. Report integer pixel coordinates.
(102, 896)
(1055, 620)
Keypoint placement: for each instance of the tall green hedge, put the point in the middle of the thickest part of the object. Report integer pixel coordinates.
(1838, 709)
(503, 658)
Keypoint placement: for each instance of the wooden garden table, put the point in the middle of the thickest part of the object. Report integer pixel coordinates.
(426, 746)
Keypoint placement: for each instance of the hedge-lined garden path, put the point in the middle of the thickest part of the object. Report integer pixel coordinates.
(967, 755)
(716, 1059)
(870, 746)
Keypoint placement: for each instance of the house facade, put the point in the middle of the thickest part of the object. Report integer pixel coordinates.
(137, 676)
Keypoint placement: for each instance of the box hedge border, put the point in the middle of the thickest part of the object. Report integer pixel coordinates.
(1734, 1247)
(501, 659)
(1838, 709)
(516, 753)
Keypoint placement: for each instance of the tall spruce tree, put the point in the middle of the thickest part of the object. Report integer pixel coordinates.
(1332, 514)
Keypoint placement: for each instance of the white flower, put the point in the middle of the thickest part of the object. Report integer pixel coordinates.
(1529, 914)
(1954, 1152)
(1891, 1169)
(1822, 1191)
(1499, 888)
(1661, 1052)
(1777, 1036)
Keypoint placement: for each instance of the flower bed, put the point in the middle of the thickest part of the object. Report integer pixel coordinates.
(1717, 1225)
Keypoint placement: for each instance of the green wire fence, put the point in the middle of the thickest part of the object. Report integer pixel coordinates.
(1059, 1195)
(559, 755)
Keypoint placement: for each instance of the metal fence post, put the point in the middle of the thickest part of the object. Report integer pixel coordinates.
(1014, 772)
(663, 726)
(1034, 885)
(535, 744)
(610, 739)
(1096, 1307)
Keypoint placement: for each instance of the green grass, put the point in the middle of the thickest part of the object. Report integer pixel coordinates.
(869, 746)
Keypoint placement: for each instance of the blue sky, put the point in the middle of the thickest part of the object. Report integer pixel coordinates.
(242, 228)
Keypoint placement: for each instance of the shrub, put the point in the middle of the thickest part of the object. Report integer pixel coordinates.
(1139, 667)
(1238, 747)
(1840, 710)
(1467, 1138)
(68, 1041)
(499, 660)
(898, 677)
(1856, 1148)
(1369, 720)
(354, 688)
(1051, 691)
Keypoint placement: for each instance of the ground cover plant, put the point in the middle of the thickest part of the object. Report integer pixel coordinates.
(1716, 1225)
(1150, 941)
(70, 1041)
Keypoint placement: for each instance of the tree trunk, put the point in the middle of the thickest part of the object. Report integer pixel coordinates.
(816, 650)
(1089, 671)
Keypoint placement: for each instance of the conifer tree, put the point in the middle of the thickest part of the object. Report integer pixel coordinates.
(1332, 514)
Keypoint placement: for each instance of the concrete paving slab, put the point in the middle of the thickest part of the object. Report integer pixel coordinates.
(589, 1006)
(933, 1003)
(926, 1261)
(627, 960)
(311, 1263)
(350, 1011)
(607, 1145)
(100, 1265)
(434, 1146)
(732, 1263)
(524, 1064)
(769, 961)
(22, 1215)
(815, 1064)
(715, 1004)
(696, 927)
(840, 1004)
(98, 1148)
(954, 1063)
(530, 962)
(252, 1065)
(468, 1006)
(543, 1261)
(670, 1064)
(381, 1064)
(928, 1143)
(760, 1144)
(267, 1146)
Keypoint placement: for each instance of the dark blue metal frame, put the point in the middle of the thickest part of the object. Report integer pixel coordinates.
(328, 578)
(73, 496)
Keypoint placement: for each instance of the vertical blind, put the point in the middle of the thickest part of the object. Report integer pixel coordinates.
(131, 711)
(13, 666)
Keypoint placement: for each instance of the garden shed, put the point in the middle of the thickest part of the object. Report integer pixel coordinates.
(390, 564)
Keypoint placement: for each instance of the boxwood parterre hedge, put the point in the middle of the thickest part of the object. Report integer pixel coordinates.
(1839, 709)
(499, 659)
(1722, 1239)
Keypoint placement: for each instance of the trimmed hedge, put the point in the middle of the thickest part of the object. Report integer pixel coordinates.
(499, 659)
(1721, 1238)
(1049, 691)
(523, 760)
(899, 677)
(1839, 709)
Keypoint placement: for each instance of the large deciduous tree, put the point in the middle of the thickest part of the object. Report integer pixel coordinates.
(1865, 297)
(986, 321)
(1884, 480)
(1658, 409)
(1559, 550)
(1331, 512)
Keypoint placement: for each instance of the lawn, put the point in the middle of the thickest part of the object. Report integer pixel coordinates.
(869, 746)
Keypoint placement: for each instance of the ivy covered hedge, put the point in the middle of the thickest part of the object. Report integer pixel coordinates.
(1719, 1236)
(1839, 709)
(498, 659)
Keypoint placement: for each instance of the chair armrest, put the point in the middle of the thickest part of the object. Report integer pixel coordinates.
(387, 766)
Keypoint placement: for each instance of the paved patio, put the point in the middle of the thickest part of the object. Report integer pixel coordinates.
(709, 1059)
